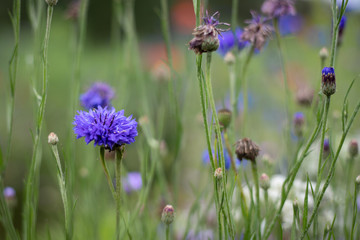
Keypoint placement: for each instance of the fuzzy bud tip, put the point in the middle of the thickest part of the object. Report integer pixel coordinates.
(353, 148)
(168, 214)
(218, 173)
(53, 139)
(264, 181)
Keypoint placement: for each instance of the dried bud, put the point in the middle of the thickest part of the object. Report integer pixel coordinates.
(229, 58)
(168, 214)
(206, 35)
(245, 148)
(353, 148)
(224, 116)
(51, 2)
(324, 54)
(264, 181)
(218, 173)
(299, 121)
(53, 139)
(328, 83)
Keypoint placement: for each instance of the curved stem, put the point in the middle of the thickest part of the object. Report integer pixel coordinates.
(119, 154)
(106, 171)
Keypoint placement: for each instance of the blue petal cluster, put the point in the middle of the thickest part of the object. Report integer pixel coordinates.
(228, 40)
(99, 94)
(105, 127)
(133, 182)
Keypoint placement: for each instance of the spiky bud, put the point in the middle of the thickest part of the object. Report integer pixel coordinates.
(246, 148)
(224, 116)
(53, 139)
(218, 173)
(328, 83)
(168, 214)
(353, 148)
(264, 181)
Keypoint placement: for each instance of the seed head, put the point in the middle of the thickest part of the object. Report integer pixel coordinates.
(53, 139)
(257, 32)
(168, 214)
(224, 116)
(245, 148)
(328, 83)
(206, 35)
(353, 148)
(218, 173)
(264, 181)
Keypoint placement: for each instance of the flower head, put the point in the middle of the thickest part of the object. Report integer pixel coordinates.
(278, 8)
(328, 83)
(132, 182)
(105, 127)
(246, 148)
(206, 35)
(299, 120)
(228, 40)
(99, 94)
(168, 214)
(257, 32)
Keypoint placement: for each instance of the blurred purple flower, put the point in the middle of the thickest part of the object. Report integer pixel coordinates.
(258, 31)
(278, 8)
(206, 158)
(207, 234)
(228, 40)
(132, 182)
(99, 94)
(105, 127)
(9, 193)
(342, 26)
(290, 24)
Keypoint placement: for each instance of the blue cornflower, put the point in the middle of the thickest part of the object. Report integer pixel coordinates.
(99, 94)
(9, 192)
(105, 127)
(132, 182)
(206, 158)
(290, 24)
(229, 40)
(342, 26)
(328, 81)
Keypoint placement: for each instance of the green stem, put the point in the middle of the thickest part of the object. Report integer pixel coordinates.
(286, 87)
(245, 88)
(106, 171)
(167, 231)
(331, 171)
(257, 192)
(334, 34)
(119, 154)
(233, 101)
(355, 209)
(29, 220)
(64, 193)
(234, 9)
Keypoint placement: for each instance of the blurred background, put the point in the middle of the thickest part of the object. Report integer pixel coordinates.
(139, 81)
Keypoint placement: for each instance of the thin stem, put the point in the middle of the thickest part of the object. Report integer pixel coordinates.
(334, 34)
(64, 193)
(257, 194)
(331, 171)
(119, 154)
(29, 220)
(106, 171)
(355, 209)
(245, 88)
(233, 101)
(234, 9)
(286, 87)
(167, 231)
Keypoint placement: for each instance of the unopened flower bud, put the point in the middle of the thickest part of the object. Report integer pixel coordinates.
(264, 181)
(353, 148)
(245, 148)
(229, 58)
(342, 26)
(10, 196)
(218, 173)
(224, 116)
(326, 149)
(328, 83)
(324, 53)
(51, 2)
(357, 180)
(299, 121)
(53, 139)
(168, 214)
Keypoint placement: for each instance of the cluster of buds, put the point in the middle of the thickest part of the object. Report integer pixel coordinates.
(246, 148)
(328, 83)
(206, 35)
(168, 214)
